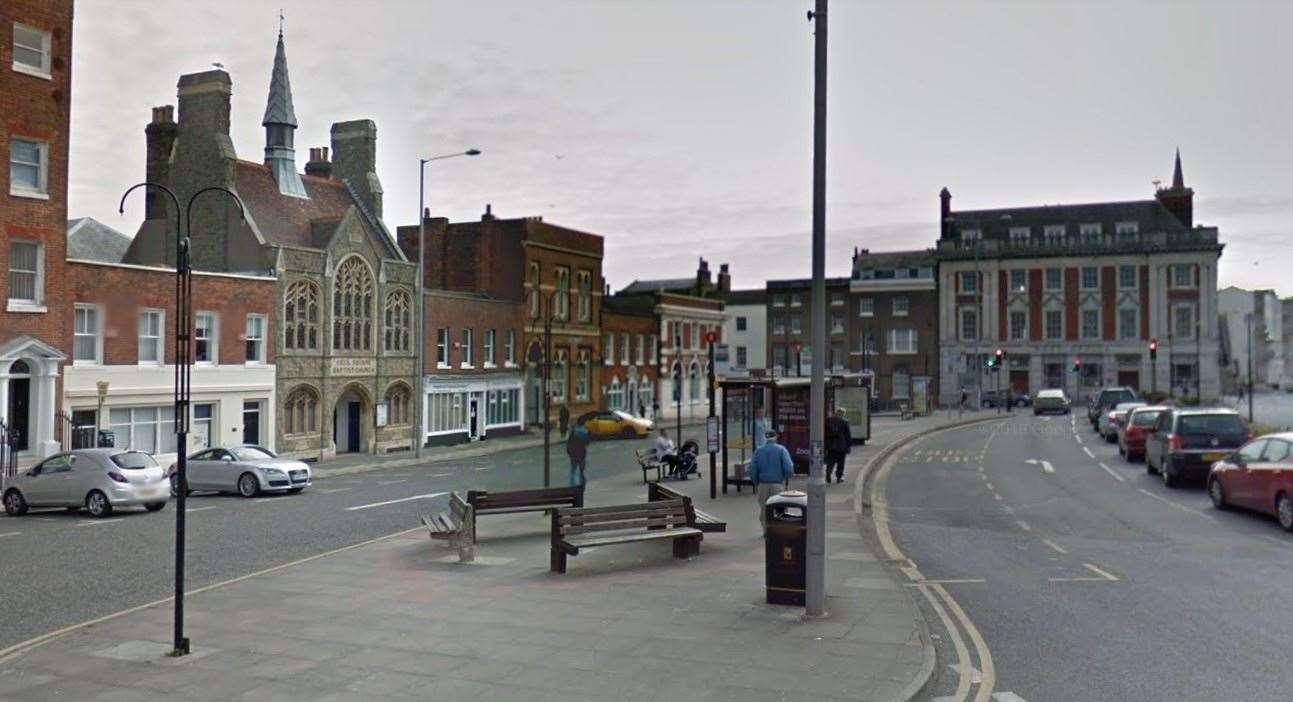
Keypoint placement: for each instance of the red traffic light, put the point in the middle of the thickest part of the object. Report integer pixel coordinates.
(1153, 344)
(1000, 353)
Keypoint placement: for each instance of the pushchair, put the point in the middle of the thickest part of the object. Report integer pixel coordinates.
(685, 463)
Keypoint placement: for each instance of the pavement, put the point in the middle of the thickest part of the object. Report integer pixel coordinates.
(396, 617)
(1050, 568)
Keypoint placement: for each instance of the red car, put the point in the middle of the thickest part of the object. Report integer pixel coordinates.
(1133, 429)
(1259, 476)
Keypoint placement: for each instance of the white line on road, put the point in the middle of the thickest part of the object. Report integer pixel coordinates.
(1052, 544)
(10, 533)
(391, 502)
(1007, 697)
(1008, 509)
(199, 509)
(1078, 437)
(1110, 471)
(484, 467)
(332, 490)
(391, 482)
(1046, 465)
(1108, 576)
(1023, 525)
(990, 486)
(995, 496)
(97, 522)
(946, 581)
(1088, 452)
(1174, 503)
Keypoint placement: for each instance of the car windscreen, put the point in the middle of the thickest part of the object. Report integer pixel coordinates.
(250, 453)
(622, 415)
(1144, 419)
(1211, 425)
(133, 460)
(1111, 399)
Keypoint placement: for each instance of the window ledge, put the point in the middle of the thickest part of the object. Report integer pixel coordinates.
(150, 364)
(25, 307)
(84, 363)
(466, 366)
(254, 364)
(490, 365)
(30, 194)
(31, 71)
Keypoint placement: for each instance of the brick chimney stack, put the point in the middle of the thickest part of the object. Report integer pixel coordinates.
(944, 212)
(160, 136)
(724, 279)
(319, 166)
(489, 213)
(354, 160)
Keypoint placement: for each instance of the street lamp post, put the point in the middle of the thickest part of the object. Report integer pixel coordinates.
(815, 585)
(546, 316)
(420, 403)
(183, 373)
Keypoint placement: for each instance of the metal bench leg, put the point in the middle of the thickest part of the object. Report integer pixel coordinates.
(685, 548)
(558, 564)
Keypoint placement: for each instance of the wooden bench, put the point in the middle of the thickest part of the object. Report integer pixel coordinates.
(457, 525)
(573, 529)
(513, 501)
(706, 522)
(647, 461)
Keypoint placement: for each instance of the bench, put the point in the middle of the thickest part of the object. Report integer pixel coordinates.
(573, 529)
(647, 461)
(457, 525)
(706, 522)
(513, 501)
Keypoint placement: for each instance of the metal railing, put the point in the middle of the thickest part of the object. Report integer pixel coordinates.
(70, 436)
(1201, 238)
(8, 450)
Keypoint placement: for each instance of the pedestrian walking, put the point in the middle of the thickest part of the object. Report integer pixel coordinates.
(965, 397)
(839, 442)
(564, 418)
(577, 450)
(770, 468)
(760, 429)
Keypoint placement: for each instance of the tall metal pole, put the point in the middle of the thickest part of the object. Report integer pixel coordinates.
(713, 476)
(419, 407)
(547, 392)
(816, 576)
(1250, 368)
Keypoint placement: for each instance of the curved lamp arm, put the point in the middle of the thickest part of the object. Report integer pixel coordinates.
(121, 207)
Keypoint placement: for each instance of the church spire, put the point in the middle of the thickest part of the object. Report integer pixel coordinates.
(280, 126)
(1178, 180)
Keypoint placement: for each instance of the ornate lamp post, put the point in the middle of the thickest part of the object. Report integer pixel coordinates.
(546, 316)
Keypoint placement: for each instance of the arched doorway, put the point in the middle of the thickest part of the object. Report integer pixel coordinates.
(18, 412)
(352, 421)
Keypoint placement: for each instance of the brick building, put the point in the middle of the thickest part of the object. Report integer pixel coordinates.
(629, 347)
(1091, 283)
(123, 335)
(544, 269)
(789, 315)
(893, 312)
(35, 95)
(343, 314)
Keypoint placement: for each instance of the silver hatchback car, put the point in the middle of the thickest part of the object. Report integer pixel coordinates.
(247, 470)
(98, 479)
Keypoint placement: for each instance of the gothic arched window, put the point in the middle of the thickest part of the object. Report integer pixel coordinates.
(301, 316)
(300, 412)
(397, 321)
(352, 306)
(397, 398)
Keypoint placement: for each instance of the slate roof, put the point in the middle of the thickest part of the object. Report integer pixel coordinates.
(89, 239)
(294, 221)
(279, 110)
(1150, 216)
(661, 285)
(894, 259)
(806, 283)
(756, 296)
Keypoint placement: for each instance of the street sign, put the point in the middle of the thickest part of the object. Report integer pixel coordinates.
(711, 336)
(722, 360)
(711, 434)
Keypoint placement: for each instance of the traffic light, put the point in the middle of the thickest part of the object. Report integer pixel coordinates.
(1077, 365)
(1001, 357)
(992, 362)
(1153, 349)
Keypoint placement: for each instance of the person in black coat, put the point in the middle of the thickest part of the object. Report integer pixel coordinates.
(839, 441)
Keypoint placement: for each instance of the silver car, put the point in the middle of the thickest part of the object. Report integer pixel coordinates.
(1109, 419)
(99, 479)
(247, 470)
(1051, 400)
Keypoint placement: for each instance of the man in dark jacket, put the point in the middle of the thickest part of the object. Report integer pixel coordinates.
(577, 449)
(839, 441)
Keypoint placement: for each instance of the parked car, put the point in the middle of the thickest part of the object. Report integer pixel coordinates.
(1259, 476)
(1111, 420)
(611, 424)
(1185, 442)
(1051, 401)
(1103, 399)
(98, 479)
(247, 470)
(1133, 430)
(993, 398)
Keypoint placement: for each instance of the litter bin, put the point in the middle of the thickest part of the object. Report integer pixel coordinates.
(107, 439)
(786, 547)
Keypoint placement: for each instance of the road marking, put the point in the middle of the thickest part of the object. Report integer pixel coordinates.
(946, 581)
(990, 486)
(332, 490)
(391, 502)
(996, 496)
(1007, 697)
(1108, 576)
(1052, 544)
(1104, 577)
(1023, 525)
(1281, 542)
(484, 467)
(10, 533)
(964, 669)
(958, 643)
(1088, 452)
(989, 675)
(199, 509)
(97, 522)
(1078, 437)
(1174, 503)
(1110, 471)
(1008, 509)
(391, 482)
(1046, 465)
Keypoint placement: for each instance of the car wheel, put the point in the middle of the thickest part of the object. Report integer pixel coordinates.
(1122, 452)
(97, 504)
(1217, 493)
(1169, 480)
(248, 485)
(1036, 412)
(175, 486)
(155, 506)
(1284, 511)
(15, 505)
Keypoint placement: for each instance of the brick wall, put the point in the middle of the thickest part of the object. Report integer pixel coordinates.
(122, 292)
(458, 312)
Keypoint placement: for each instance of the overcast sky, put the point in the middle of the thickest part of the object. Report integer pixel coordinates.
(679, 128)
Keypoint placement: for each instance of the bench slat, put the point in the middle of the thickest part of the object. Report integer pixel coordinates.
(568, 518)
(673, 520)
(659, 504)
(630, 538)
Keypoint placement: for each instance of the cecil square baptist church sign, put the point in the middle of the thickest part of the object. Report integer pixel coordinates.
(353, 365)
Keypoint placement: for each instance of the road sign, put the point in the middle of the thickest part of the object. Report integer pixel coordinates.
(711, 434)
(722, 360)
(711, 336)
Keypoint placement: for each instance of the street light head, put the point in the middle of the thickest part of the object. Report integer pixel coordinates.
(473, 152)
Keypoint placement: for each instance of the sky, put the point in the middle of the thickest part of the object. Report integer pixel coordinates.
(683, 128)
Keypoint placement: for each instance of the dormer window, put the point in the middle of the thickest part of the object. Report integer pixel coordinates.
(971, 235)
(1053, 231)
(1090, 229)
(1127, 228)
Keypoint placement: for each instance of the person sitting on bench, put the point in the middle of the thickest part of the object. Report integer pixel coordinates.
(664, 451)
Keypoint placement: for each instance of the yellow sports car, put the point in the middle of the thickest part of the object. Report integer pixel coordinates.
(609, 424)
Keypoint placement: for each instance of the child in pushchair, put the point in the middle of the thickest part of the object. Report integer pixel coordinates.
(685, 464)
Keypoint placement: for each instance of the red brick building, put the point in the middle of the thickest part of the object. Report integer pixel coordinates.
(630, 372)
(35, 95)
(123, 335)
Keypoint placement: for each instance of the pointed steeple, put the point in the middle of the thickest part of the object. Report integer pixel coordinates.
(1178, 180)
(280, 127)
(1178, 199)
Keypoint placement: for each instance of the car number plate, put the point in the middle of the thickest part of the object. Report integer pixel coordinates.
(1213, 456)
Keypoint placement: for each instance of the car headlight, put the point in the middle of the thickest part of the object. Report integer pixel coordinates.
(274, 473)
